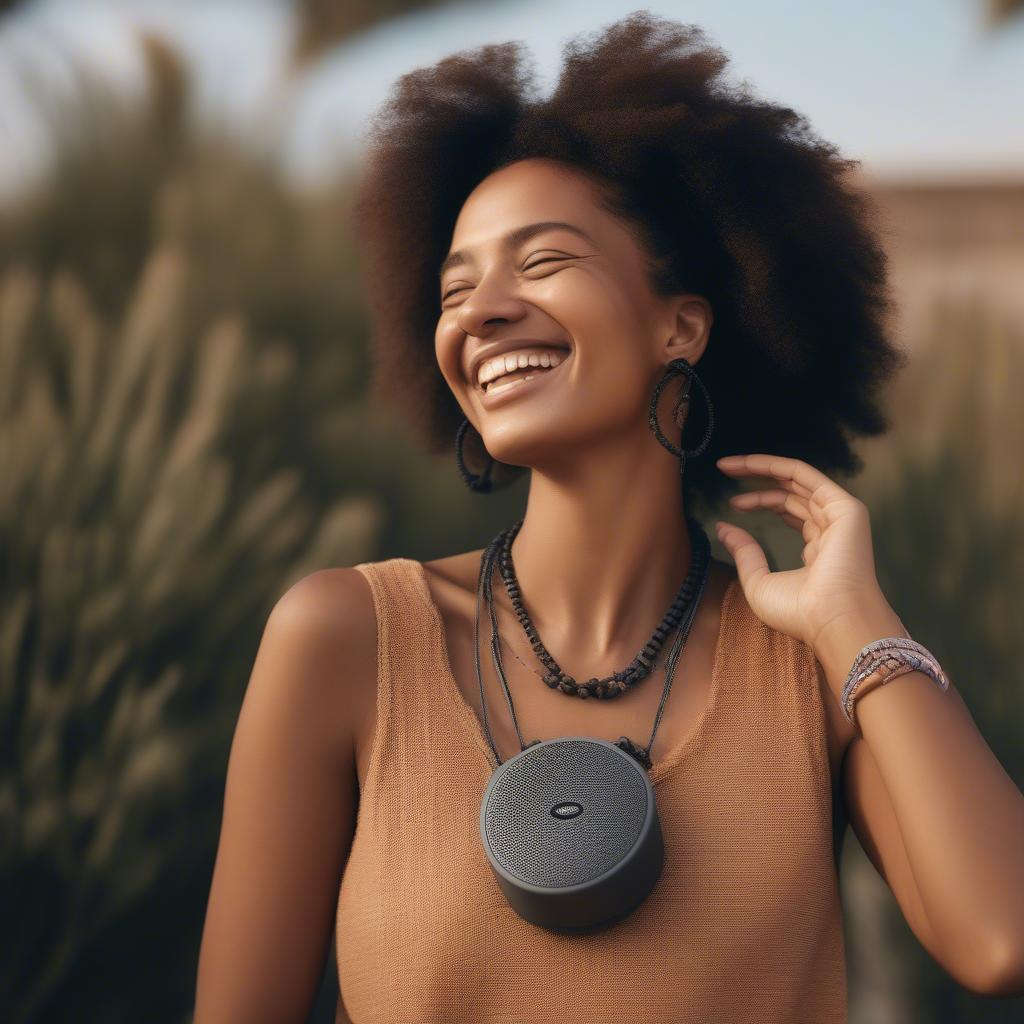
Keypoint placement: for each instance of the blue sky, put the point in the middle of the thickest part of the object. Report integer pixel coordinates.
(913, 88)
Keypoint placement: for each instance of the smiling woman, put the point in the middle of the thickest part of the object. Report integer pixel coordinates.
(646, 217)
(538, 270)
(723, 195)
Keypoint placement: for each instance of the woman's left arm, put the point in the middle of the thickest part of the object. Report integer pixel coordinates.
(960, 816)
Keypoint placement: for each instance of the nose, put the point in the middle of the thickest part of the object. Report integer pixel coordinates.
(489, 306)
(480, 315)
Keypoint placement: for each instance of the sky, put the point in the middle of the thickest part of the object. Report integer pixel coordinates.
(917, 89)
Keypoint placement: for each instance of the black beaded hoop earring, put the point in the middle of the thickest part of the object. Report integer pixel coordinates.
(673, 369)
(480, 483)
(470, 451)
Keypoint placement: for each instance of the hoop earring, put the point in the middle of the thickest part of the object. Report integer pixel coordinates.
(673, 369)
(471, 454)
(481, 482)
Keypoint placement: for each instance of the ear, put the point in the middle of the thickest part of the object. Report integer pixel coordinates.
(690, 329)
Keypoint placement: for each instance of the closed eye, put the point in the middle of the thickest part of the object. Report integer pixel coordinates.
(537, 263)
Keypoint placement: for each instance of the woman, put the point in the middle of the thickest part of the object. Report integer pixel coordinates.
(596, 269)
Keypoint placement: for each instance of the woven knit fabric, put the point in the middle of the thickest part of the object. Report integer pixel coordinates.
(744, 924)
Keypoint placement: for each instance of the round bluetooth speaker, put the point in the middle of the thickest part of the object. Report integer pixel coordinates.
(571, 830)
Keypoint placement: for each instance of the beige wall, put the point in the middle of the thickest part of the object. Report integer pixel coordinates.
(957, 242)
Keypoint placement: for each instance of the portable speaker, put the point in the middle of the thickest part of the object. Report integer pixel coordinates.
(572, 833)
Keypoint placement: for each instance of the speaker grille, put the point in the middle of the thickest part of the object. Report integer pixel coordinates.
(528, 841)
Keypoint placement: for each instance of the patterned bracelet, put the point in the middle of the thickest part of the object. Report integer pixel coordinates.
(884, 660)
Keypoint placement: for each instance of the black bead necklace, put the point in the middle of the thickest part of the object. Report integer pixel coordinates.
(640, 667)
(699, 567)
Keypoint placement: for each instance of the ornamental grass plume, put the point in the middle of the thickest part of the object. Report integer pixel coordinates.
(946, 498)
(140, 558)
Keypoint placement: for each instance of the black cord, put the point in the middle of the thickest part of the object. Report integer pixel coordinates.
(701, 548)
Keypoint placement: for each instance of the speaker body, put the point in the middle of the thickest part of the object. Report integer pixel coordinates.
(571, 829)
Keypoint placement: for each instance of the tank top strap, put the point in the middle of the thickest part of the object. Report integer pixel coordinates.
(420, 721)
(774, 665)
(777, 691)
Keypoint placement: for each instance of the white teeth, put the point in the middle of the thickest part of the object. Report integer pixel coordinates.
(492, 388)
(500, 365)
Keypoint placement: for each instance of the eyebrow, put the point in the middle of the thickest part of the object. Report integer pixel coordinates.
(515, 238)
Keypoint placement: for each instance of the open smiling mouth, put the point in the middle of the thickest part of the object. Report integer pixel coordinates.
(520, 380)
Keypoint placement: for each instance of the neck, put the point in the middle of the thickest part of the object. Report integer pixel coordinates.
(601, 553)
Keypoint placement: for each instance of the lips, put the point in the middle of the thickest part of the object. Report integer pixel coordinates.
(515, 345)
(521, 387)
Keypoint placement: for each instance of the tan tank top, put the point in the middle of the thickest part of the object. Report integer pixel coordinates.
(744, 924)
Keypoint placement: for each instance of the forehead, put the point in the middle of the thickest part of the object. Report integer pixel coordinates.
(525, 192)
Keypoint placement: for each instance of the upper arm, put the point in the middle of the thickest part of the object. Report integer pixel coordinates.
(289, 806)
(864, 804)
(873, 819)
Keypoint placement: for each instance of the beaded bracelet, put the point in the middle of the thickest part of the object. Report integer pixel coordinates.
(884, 660)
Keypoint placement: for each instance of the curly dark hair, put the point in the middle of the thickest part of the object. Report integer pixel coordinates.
(733, 198)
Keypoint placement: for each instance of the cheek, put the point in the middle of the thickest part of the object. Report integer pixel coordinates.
(447, 354)
(612, 372)
(590, 304)
(610, 342)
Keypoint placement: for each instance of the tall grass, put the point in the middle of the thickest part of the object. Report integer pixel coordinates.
(946, 495)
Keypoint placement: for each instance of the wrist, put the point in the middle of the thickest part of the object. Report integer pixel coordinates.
(837, 644)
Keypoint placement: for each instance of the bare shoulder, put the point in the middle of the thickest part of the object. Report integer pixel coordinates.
(326, 622)
(290, 805)
(336, 602)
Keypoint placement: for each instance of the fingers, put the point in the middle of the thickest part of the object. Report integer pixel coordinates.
(795, 510)
(803, 478)
(751, 563)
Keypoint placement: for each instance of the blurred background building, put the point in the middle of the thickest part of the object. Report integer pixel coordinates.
(955, 241)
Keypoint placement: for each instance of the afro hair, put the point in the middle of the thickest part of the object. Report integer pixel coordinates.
(734, 198)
